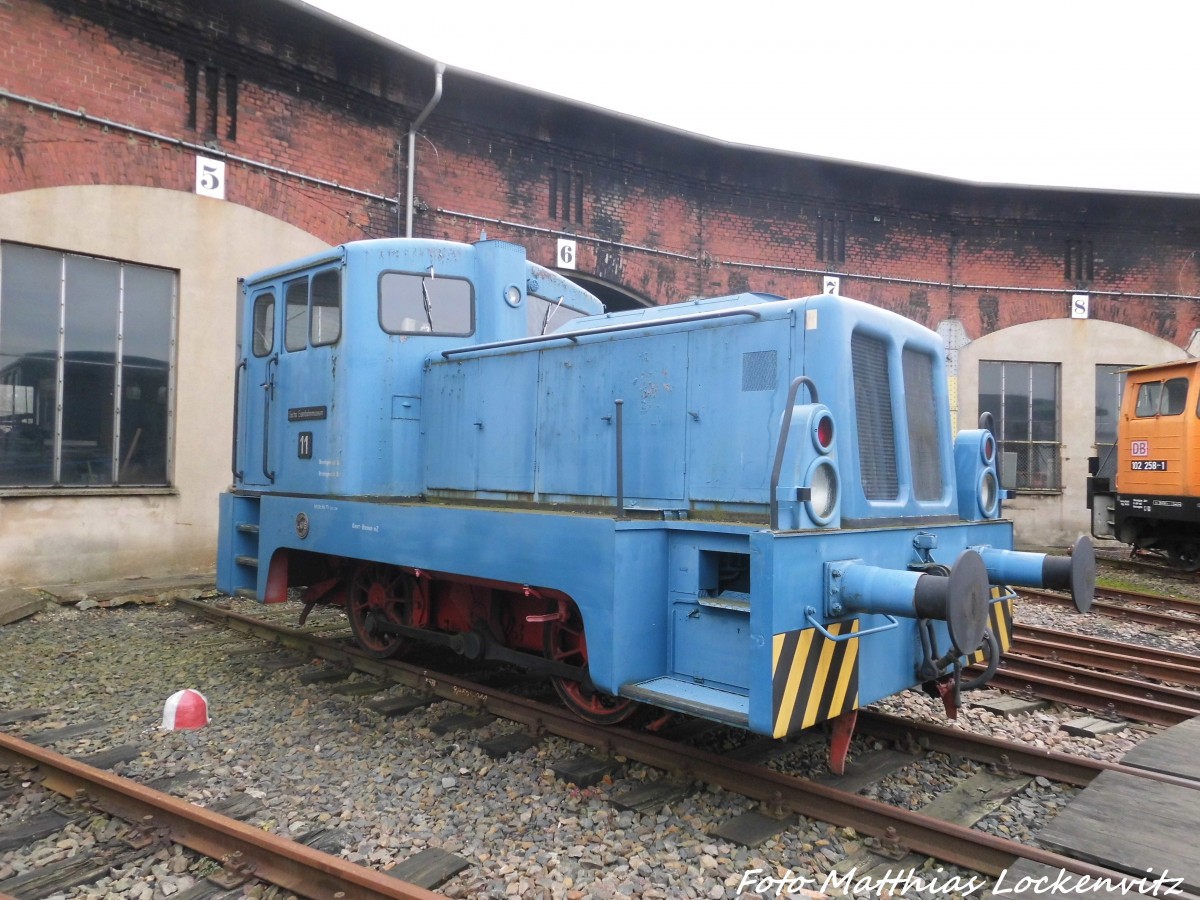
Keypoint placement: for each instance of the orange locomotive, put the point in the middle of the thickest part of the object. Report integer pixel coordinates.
(1153, 500)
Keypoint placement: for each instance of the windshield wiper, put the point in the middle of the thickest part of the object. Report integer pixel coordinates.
(550, 311)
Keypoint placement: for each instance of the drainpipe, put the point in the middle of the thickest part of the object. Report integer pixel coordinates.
(439, 68)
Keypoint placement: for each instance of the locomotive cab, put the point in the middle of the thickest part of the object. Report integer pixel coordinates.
(1152, 501)
(709, 506)
(378, 307)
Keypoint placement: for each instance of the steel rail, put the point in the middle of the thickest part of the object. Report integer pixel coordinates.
(1105, 684)
(1158, 601)
(1120, 610)
(241, 847)
(1006, 755)
(1110, 656)
(1094, 642)
(1147, 564)
(1041, 679)
(946, 841)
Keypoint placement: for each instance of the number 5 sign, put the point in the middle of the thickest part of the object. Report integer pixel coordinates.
(210, 178)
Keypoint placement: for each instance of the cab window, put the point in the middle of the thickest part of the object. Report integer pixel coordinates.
(325, 315)
(264, 324)
(425, 304)
(546, 314)
(295, 327)
(1161, 398)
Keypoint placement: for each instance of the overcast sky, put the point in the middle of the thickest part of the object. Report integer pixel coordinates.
(1054, 92)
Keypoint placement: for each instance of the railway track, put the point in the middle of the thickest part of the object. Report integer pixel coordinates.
(1132, 606)
(1147, 564)
(1119, 657)
(891, 828)
(1117, 678)
(242, 854)
(941, 830)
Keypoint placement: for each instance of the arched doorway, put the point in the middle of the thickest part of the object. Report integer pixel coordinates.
(614, 297)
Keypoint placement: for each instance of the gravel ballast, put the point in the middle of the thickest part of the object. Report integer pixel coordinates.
(312, 758)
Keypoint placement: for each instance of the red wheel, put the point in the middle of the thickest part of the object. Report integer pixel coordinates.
(379, 594)
(565, 643)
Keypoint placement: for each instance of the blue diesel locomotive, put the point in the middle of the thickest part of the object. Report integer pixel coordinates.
(745, 508)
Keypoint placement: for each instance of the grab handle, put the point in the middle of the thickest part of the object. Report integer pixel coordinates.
(811, 614)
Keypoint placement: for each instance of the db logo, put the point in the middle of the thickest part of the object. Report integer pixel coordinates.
(1139, 448)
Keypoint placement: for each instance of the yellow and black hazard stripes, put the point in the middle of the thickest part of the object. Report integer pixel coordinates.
(812, 677)
(1000, 622)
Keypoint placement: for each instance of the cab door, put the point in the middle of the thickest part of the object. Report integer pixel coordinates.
(254, 462)
(308, 426)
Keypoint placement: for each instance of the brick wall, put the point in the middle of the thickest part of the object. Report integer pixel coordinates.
(314, 119)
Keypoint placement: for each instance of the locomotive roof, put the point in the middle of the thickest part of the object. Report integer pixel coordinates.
(1183, 363)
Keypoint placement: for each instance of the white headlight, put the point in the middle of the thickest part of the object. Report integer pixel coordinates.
(823, 488)
(989, 492)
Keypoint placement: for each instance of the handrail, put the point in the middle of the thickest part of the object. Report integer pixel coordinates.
(269, 387)
(784, 428)
(810, 613)
(620, 409)
(574, 336)
(237, 396)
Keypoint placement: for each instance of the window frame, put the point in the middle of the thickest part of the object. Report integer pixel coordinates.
(1161, 402)
(1047, 451)
(318, 322)
(1114, 376)
(295, 325)
(131, 383)
(386, 320)
(261, 348)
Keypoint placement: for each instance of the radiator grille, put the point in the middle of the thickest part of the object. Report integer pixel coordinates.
(873, 411)
(921, 412)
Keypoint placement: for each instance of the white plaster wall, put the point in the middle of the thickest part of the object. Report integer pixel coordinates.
(47, 539)
(1078, 345)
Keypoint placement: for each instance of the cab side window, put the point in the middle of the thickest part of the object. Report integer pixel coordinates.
(264, 324)
(325, 322)
(1159, 398)
(1174, 399)
(295, 327)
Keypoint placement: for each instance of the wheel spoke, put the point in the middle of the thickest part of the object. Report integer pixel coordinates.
(378, 592)
(565, 642)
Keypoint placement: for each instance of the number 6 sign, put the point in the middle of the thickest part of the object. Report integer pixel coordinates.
(566, 254)
(210, 178)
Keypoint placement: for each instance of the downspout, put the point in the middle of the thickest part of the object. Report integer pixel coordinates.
(439, 68)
